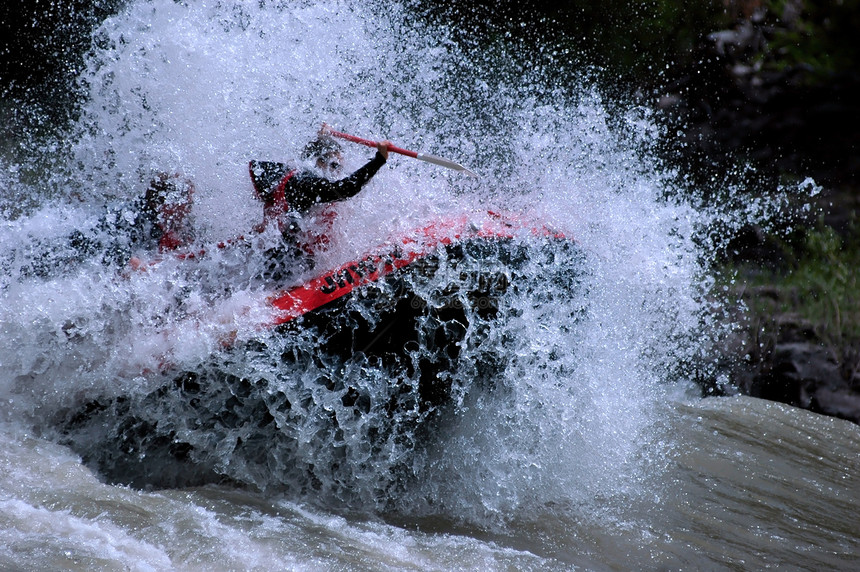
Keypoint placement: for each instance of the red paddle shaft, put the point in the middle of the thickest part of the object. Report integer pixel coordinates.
(371, 143)
(414, 154)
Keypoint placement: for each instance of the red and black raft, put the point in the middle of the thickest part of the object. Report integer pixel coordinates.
(361, 357)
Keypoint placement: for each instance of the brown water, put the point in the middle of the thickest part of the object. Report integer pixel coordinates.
(752, 485)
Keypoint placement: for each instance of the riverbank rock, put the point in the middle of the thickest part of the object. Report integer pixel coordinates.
(810, 376)
(790, 365)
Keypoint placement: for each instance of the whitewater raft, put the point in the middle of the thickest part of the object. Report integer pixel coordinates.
(422, 288)
(357, 360)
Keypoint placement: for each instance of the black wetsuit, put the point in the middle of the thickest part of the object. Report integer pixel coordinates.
(113, 240)
(288, 193)
(118, 233)
(304, 189)
(123, 231)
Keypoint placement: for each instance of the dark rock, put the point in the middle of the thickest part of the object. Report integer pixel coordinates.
(810, 376)
(839, 402)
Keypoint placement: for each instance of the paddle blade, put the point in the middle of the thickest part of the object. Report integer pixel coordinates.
(444, 163)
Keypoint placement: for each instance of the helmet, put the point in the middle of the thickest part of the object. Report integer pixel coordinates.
(320, 147)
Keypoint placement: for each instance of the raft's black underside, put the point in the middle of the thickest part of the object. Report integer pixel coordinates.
(382, 360)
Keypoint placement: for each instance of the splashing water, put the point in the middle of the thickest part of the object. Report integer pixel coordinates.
(572, 409)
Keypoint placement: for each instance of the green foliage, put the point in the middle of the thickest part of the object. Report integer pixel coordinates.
(819, 36)
(820, 290)
(827, 284)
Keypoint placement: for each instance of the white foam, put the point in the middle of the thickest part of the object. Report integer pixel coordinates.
(202, 88)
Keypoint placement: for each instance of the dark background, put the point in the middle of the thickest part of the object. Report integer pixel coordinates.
(42, 47)
(781, 91)
(771, 85)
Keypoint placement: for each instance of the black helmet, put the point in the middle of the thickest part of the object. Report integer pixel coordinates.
(322, 146)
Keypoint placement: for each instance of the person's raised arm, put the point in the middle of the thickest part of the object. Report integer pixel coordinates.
(310, 190)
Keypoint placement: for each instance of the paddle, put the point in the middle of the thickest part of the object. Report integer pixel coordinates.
(414, 154)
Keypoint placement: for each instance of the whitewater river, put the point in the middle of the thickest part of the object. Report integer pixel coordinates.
(751, 485)
(575, 438)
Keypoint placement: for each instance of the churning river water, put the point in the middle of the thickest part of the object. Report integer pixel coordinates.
(589, 449)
